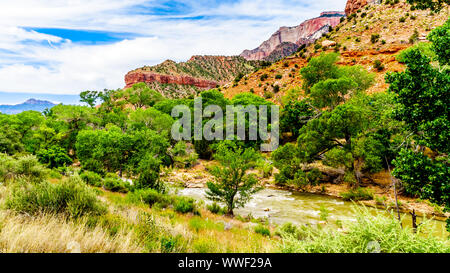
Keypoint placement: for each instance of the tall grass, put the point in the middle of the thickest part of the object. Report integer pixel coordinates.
(54, 234)
(71, 197)
(380, 233)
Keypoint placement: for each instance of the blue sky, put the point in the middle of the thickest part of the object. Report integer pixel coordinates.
(65, 47)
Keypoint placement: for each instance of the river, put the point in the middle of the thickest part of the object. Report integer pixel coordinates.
(282, 206)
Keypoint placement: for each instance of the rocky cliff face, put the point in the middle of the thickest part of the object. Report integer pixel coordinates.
(354, 5)
(175, 80)
(151, 77)
(305, 33)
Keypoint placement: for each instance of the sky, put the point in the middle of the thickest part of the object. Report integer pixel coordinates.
(66, 47)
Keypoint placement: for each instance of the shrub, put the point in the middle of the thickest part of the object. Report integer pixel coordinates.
(91, 178)
(262, 230)
(360, 236)
(378, 65)
(375, 38)
(357, 194)
(216, 209)
(54, 157)
(276, 88)
(72, 197)
(288, 229)
(264, 77)
(116, 185)
(184, 205)
(27, 167)
(150, 197)
(278, 76)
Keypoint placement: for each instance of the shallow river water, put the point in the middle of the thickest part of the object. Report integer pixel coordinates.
(281, 206)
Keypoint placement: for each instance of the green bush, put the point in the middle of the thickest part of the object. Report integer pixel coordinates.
(71, 197)
(150, 197)
(116, 185)
(184, 205)
(27, 167)
(91, 178)
(357, 194)
(54, 157)
(216, 209)
(262, 230)
(385, 233)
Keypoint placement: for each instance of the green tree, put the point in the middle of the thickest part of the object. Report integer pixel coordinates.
(232, 185)
(89, 97)
(139, 95)
(295, 115)
(422, 97)
(54, 157)
(318, 69)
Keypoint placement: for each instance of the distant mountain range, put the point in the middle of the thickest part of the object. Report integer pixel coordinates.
(31, 104)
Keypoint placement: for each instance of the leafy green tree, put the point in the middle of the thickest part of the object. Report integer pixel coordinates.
(110, 147)
(54, 157)
(318, 69)
(70, 120)
(332, 92)
(151, 119)
(295, 115)
(89, 97)
(232, 185)
(139, 95)
(422, 97)
(423, 104)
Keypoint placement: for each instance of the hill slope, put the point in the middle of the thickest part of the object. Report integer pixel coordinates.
(376, 32)
(176, 80)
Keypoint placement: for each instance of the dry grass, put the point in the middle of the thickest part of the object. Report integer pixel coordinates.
(53, 234)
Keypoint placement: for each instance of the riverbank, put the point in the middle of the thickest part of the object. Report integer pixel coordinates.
(379, 184)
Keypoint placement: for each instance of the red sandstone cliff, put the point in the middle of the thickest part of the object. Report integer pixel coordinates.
(354, 5)
(305, 33)
(150, 77)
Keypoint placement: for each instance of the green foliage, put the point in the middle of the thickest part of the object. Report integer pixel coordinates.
(116, 185)
(331, 92)
(91, 178)
(150, 197)
(148, 170)
(182, 157)
(151, 119)
(378, 65)
(360, 236)
(232, 185)
(318, 69)
(374, 38)
(216, 208)
(434, 5)
(440, 38)
(357, 194)
(424, 48)
(295, 115)
(424, 177)
(184, 205)
(262, 230)
(422, 104)
(139, 95)
(71, 197)
(25, 167)
(54, 157)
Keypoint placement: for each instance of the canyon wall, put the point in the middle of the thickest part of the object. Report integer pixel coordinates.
(304, 33)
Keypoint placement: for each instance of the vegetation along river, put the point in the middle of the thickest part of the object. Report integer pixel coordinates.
(282, 206)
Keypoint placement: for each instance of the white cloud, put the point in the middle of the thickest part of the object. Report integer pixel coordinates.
(68, 68)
